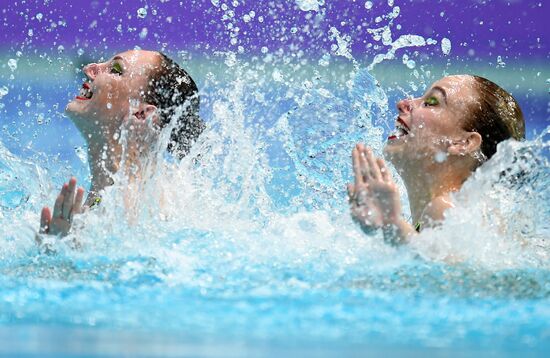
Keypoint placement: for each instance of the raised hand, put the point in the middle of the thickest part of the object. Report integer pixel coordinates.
(68, 203)
(374, 197)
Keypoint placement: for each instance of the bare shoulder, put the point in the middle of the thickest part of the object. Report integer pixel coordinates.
(435, 210)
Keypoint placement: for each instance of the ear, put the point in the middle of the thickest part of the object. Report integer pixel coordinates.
(470, 143)
(146, 111)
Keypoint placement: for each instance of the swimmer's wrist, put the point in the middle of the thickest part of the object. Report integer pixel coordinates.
(398, 232)
(393, 222)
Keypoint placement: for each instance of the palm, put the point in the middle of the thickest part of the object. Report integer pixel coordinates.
(67, 204)
(365, 209)
(374, 197)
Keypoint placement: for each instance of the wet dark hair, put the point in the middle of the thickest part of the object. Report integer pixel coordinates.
(496, 116)
(175, 94)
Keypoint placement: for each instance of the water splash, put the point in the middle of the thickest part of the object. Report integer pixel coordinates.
(253, 224)
(310, 5)
(446, 46)
(500, 217)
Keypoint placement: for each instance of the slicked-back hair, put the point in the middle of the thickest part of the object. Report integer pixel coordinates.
(496, 116)
(172, 90)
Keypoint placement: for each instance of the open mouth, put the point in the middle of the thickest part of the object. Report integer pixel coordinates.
(401, 130)
(85, 92)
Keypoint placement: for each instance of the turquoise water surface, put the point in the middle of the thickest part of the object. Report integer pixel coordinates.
(253, 251)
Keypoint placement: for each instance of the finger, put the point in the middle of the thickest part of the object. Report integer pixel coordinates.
(365, 167)
(384, 170)
(69, 199)
(374, 170)
(57, 209)
(356, 167)
(45, 219)
(64, 189)
(77, 207)
(351, 192)
(58, 206)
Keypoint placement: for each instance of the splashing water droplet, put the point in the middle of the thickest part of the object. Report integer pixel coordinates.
(142, 12)
(12, 64)
(277, 76)
(500, 62)
(143, 33)
(231, 59)
(325, 60)
(39, 16)
(81, 154)
(343, 43)
(368, 5)
(310, 5)
(446, 46)
(440, 157)
(3, 91)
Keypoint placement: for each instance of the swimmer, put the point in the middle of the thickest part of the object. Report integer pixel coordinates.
(440, 139)
(137, 91)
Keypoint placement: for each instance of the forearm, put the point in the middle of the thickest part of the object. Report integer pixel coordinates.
(399, 232)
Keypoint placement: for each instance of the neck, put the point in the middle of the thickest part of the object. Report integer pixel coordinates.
(104, 159)
(108, 157)
(427, 183)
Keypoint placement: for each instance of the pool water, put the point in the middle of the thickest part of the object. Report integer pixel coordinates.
(246, 246)
(254, 250)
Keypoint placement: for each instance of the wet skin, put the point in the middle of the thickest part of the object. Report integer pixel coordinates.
(430, 150)
(110, 98)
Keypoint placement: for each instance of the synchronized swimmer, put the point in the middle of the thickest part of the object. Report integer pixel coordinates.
(440, 139)
(142, 92)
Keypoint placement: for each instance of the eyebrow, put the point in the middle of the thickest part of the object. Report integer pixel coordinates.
(440, 89)
(120, 58)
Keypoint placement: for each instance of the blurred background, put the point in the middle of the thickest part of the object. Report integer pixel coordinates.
(45, 43)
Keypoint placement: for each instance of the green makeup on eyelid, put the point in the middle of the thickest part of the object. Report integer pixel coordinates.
(431, 101)
(117, 68)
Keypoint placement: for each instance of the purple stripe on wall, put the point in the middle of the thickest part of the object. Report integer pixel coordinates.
(512, 29)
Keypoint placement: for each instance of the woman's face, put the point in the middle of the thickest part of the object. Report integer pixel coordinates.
(427, 126)
(105, 98)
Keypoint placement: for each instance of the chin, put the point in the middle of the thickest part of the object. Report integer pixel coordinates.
(394, 148)
(74, 108)
(78, 115)
(71, 108)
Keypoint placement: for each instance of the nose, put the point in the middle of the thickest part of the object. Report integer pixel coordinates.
(91, 70)
(405, 106)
